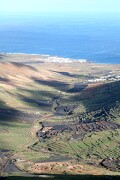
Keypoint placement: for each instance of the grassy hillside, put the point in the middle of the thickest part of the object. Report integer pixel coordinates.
(100, 96)
(98, 145)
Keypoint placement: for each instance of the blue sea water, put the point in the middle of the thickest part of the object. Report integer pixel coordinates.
(91, 36)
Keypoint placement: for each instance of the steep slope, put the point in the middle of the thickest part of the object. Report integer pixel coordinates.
(100, 96)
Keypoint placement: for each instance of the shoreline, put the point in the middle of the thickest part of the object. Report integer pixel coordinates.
(50, 58)
(54, 59)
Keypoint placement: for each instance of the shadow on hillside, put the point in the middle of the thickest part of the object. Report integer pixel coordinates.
(32, 62)
(77, 88)
(19, 65)
(63, 177)
(8, 114)
(65, 74)
(61, 86)
(2, 56)
(4, 80)
(37, 94)
(45, 105)
(75, 75)
(104, 96)
(38, 99)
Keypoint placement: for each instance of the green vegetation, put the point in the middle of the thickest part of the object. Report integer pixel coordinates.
(104, 96)
(17, 136)
(100, 145)
(114, 113)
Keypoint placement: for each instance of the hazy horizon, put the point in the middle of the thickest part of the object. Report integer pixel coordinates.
(58, 6)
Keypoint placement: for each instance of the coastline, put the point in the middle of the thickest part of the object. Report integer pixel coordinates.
(37, 58)
(49, 58)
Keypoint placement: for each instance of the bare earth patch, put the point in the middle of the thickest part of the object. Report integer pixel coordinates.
(63, 168)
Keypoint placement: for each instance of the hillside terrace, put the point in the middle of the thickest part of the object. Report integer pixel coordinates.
(79, 129)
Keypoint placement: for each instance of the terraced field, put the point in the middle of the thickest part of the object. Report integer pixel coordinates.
(99, 145)
(79, 130)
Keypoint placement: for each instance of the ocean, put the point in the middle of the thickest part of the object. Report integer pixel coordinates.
(91, 36)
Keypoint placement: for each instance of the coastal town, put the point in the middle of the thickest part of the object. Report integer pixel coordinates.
(109, 77)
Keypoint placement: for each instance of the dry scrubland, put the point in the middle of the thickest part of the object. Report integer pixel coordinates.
(33, 90)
